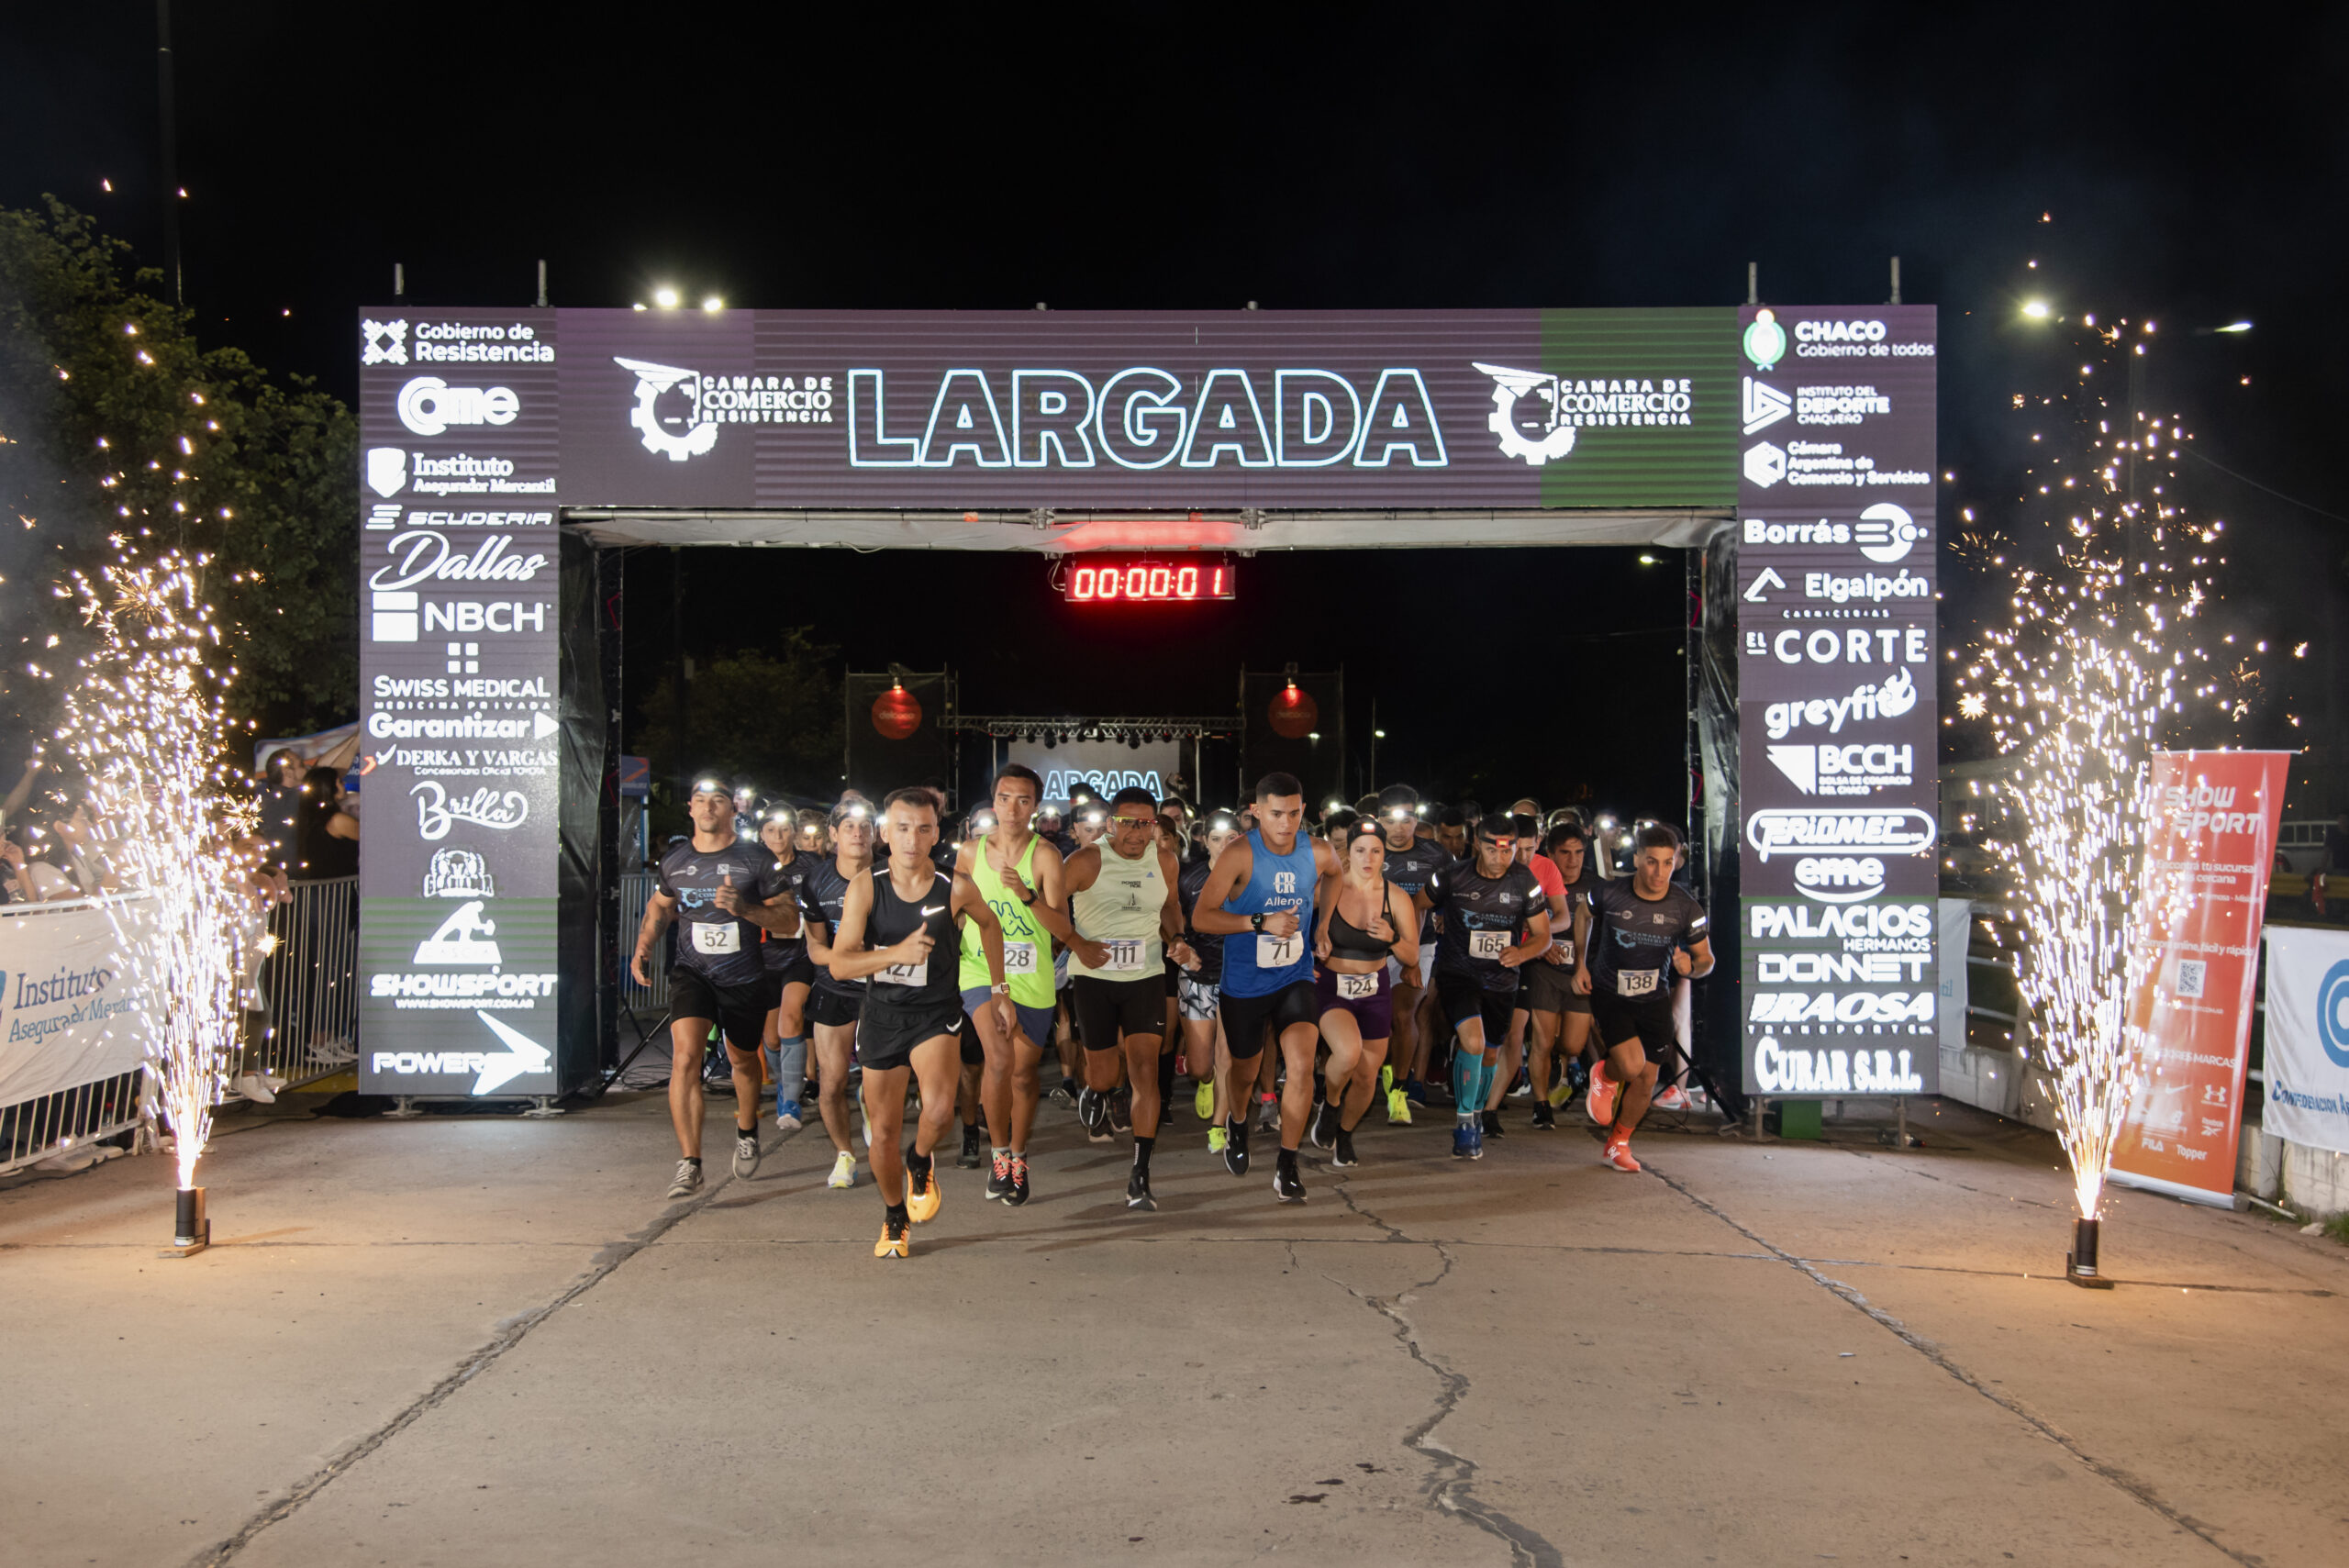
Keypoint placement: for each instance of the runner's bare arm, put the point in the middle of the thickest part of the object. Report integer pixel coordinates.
(1536, 943)
(657, 912)
(971, 906)
(1407, 927)
(1050, 907)
(1232, 869)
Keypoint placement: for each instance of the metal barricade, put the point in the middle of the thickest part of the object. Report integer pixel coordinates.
(636, 891)
(309, 983)
(52, 1125)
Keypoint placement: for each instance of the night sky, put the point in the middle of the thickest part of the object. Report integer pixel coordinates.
(1372, 157)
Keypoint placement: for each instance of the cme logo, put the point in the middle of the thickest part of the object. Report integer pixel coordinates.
(428, 406)
(2333, 1013)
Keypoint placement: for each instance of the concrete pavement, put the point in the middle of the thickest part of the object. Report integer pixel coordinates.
(470, 1339)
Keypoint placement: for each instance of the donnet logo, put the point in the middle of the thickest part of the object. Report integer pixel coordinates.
(386, 469)
(1890, 700)
(1764, 405)
(428, 406)
(386, 344)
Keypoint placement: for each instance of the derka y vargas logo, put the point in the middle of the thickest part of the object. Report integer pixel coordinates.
(1542, 434)
(708, 401)
(385, 344)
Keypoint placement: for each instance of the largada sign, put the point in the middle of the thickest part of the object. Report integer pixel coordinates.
(481, 428)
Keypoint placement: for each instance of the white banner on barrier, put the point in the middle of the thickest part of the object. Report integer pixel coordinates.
(2308, 1036)
(68, 1010)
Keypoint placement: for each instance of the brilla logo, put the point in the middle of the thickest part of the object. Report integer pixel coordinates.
(386, 342)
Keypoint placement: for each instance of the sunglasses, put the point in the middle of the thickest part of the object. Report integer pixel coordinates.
(1135, 821)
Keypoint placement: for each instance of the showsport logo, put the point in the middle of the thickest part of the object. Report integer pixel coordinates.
(709, 401)
(1544, 434)
(386, 342)
(461, 939)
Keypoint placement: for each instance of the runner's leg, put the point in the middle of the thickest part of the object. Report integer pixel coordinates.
(688, 1037)
(1299, 1042)
(885, 1111)
(835, 1046)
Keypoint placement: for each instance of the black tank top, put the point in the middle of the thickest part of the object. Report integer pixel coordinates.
(935, 980)
(1350, 941)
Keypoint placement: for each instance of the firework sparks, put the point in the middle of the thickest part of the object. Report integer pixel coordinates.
(2093, 672)
(147, 723)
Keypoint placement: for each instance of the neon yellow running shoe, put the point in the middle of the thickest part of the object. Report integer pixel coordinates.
(1203, 1102)
(1560, 1092)
(1215, 1141)
(1387, 1078)
(1398, 1109)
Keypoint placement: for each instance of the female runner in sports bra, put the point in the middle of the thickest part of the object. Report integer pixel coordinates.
(1364, 919)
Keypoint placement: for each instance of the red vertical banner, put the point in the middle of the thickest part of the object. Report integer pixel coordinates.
(2195, 958)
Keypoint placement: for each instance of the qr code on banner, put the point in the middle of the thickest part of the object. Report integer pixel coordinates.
(2189, 977)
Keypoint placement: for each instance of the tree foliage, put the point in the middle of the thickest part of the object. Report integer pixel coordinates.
(768, 716)
(114, 418)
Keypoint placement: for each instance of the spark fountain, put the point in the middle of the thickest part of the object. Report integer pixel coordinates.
(2094, 672)
(145, 720)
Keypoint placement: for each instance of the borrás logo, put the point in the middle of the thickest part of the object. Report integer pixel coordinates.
(1536, 414)
(384, 342)
(1890, 699)
(428, 406)
(678, 410)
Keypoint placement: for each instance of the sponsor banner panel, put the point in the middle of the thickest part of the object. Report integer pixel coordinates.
(2194, 962)
(458, 991)
(2308, 1036)
(71, 1012)
(1841, 999)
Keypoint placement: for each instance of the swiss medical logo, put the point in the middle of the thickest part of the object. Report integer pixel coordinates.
(1765, 340)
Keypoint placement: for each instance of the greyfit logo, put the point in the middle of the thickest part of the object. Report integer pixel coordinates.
(386, 344)
(1545, 433)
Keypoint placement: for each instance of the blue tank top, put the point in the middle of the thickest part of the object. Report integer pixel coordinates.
(1256, 964)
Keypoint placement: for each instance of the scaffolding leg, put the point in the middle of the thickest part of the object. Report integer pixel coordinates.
(404, 1108)
(543, 1106)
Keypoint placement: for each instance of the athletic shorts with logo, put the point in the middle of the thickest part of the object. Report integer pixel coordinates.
(1105, 1009)
(886, 1036)
(1619, 1019)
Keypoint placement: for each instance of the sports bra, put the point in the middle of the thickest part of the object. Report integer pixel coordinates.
(1349, 941)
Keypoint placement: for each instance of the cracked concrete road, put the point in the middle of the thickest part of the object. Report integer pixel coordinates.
(469, 1340)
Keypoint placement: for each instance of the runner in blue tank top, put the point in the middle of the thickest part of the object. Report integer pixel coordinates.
(1260, 899)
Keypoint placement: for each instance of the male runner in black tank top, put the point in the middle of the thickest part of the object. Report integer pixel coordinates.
(898, 931)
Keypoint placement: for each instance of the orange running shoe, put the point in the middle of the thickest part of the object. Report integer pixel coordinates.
(896, 1239)
(1600, 1101)
(922, 1194)
(1619, 1154)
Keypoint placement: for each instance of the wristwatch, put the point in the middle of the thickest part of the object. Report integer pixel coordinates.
(1029, 899)
(1256, 921)
(1000, 989)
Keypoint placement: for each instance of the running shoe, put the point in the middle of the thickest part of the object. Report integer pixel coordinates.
(1203, 1101)
(1544, 1119)
(1671, 1097)
(688, 1179)
(1492, 1126)
(999, 1177)
(746, 1153)
(867, 1122)
(924, 1192)
(1093, 1111)
(1398, 1109)
(1475, 1140)
(1324, 1125)
(1268, 1113)
(1286, 1186)
(1415, 1092)
(1138, 1193)
(1018, 1192)
(787, 1118)
(1387, 1078)
(843, 1171)
(895, 1242)
(973, 1153)
(1523, 1087)
(1463, 1141)
(1341, 1154)
(1121, 1110)
(1600, 1102)
(1216, 1137)
(1235, 1146)
(1619, 1154)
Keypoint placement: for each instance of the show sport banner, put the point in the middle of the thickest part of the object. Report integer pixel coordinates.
(1839, 779)
(479, 427)
(2196, 960)
(69, 1009)
(2308, 1036)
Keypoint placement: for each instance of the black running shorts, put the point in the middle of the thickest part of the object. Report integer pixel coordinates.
(798, 971)
(835, 1008)
(1464, 997)
(886, 1036)
(1244, 1018)
(1649, 1020)
(1105, 1009)
(1550, 989)
(973, 1054)
(739, 1011)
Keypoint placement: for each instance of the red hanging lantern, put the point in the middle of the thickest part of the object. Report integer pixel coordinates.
(1294, 714)
(897, 713)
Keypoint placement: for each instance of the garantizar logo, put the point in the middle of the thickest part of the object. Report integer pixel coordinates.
(386, 342)
(689, 427)
(1544, 434)
(428, 406)
(1765, 340)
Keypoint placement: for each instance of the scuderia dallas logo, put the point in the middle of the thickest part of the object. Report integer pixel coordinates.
(678, 409)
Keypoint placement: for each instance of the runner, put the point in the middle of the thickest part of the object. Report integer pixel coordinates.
(897, 931)
(718, 890)
(1410, 862)
(1259, 899)
(788, 973)
(1198, 993)
(1366, 921)
(1121, 903)
(1494, 919)
(1527, 827)
(1643, 929)
(834, 1002)
(1019, 875)
(1549, 983)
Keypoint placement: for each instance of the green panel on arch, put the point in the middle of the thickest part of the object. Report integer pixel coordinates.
(1604, 358)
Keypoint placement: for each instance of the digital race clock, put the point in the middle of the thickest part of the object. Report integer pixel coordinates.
(1098, 580)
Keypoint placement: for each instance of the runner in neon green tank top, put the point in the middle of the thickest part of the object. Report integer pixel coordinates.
(1020, 876)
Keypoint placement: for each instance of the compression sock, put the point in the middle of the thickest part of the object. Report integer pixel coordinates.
(791, 1073)
(1143, 1146)
(1166, 1080)
(1467, 1070)
(1486, 1070)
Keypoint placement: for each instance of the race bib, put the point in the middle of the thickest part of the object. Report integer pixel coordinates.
(1358, 988)
(1279, 953)
(1488, 944)
(1564, 953)
(712, 937)
(1125, 953)
(1020, 958)
(1635, 982)
(914, 973)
